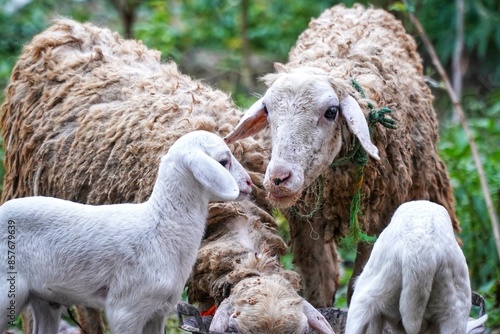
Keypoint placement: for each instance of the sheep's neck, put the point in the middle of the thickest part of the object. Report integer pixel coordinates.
(178, 197)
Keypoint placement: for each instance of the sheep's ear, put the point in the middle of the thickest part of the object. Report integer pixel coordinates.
(213, 177)
(357, 124)
(280, 68)
(476, 326)
(316, 320)
(220, 321)
(253, 121)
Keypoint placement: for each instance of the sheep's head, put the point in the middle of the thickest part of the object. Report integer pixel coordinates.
(267, 304)
(212, 164)
(306, 117)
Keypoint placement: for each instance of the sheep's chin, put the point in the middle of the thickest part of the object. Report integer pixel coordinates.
(283, 201)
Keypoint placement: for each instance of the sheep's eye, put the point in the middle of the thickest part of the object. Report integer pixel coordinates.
(224, 162)
(331, 112)
(265, 110)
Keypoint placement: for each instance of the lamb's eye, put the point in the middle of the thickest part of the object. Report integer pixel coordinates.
(331, 112)
(265, 110)
(224, 162)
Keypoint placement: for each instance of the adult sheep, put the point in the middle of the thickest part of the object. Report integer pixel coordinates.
(240, 255)
(316, 110)
(88, 115)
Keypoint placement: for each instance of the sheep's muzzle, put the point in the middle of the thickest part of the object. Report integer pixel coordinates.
(279, 195)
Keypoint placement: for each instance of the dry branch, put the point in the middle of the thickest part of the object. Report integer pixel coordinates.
(465, 124)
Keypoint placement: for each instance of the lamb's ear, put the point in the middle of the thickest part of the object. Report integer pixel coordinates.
(357, 124)
(316, 320)
(220, 321)
(280, 68)
(476, 326)
(253, 121)
(213, 176)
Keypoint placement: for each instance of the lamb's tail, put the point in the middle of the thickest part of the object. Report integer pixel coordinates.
(417, 281)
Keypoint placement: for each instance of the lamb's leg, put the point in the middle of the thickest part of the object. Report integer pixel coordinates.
(155, 325)
(377, 324)
(91, 320)
(363, 253)
(316, 261)
(13, 299)
(365, 318)
(7, 315)
(46, 316)
(123, 319)
(27, 321)
(358, 319)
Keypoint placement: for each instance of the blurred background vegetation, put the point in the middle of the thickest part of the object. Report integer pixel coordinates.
(231, 43)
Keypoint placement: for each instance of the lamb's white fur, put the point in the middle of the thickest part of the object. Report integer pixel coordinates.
(416, 278)
(131, 259)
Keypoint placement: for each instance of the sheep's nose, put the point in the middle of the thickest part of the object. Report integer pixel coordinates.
(249, 182)
(279, 179)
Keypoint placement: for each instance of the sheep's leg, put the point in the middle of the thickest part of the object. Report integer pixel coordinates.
(155, 325)
(377, 325)
(13, 299)
(125, 320)
(27, 321)
(358, 320)
(357, 326)
(363, 253)
(316, 261)
(91, 320)
(46, 316)
(8, 314)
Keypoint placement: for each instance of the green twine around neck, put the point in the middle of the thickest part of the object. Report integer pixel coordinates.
(358, 156)
(356, 235)
(317, 206)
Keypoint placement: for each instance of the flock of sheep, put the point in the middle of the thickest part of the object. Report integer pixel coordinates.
(89, 219)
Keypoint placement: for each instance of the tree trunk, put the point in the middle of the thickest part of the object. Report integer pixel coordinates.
(458, 66)
(127, 11)
(246, 70)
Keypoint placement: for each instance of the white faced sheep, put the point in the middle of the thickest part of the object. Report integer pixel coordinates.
(316, 111)
(131, 259)
(416, 280)
(239, 254)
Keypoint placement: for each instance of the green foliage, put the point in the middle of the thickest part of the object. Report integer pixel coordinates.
(348, 256)
(173, 27)
(482, 41)
(478, 244)
(158, 31)
(16, 31)
(284, 232)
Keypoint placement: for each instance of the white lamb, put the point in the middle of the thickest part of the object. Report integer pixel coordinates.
(131, 259)
(416, 280)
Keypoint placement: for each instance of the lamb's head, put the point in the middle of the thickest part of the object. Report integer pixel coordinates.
(267, 304)
(306, 117)
(212, 164)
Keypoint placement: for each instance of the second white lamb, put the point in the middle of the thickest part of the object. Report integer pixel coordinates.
(416, 280)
